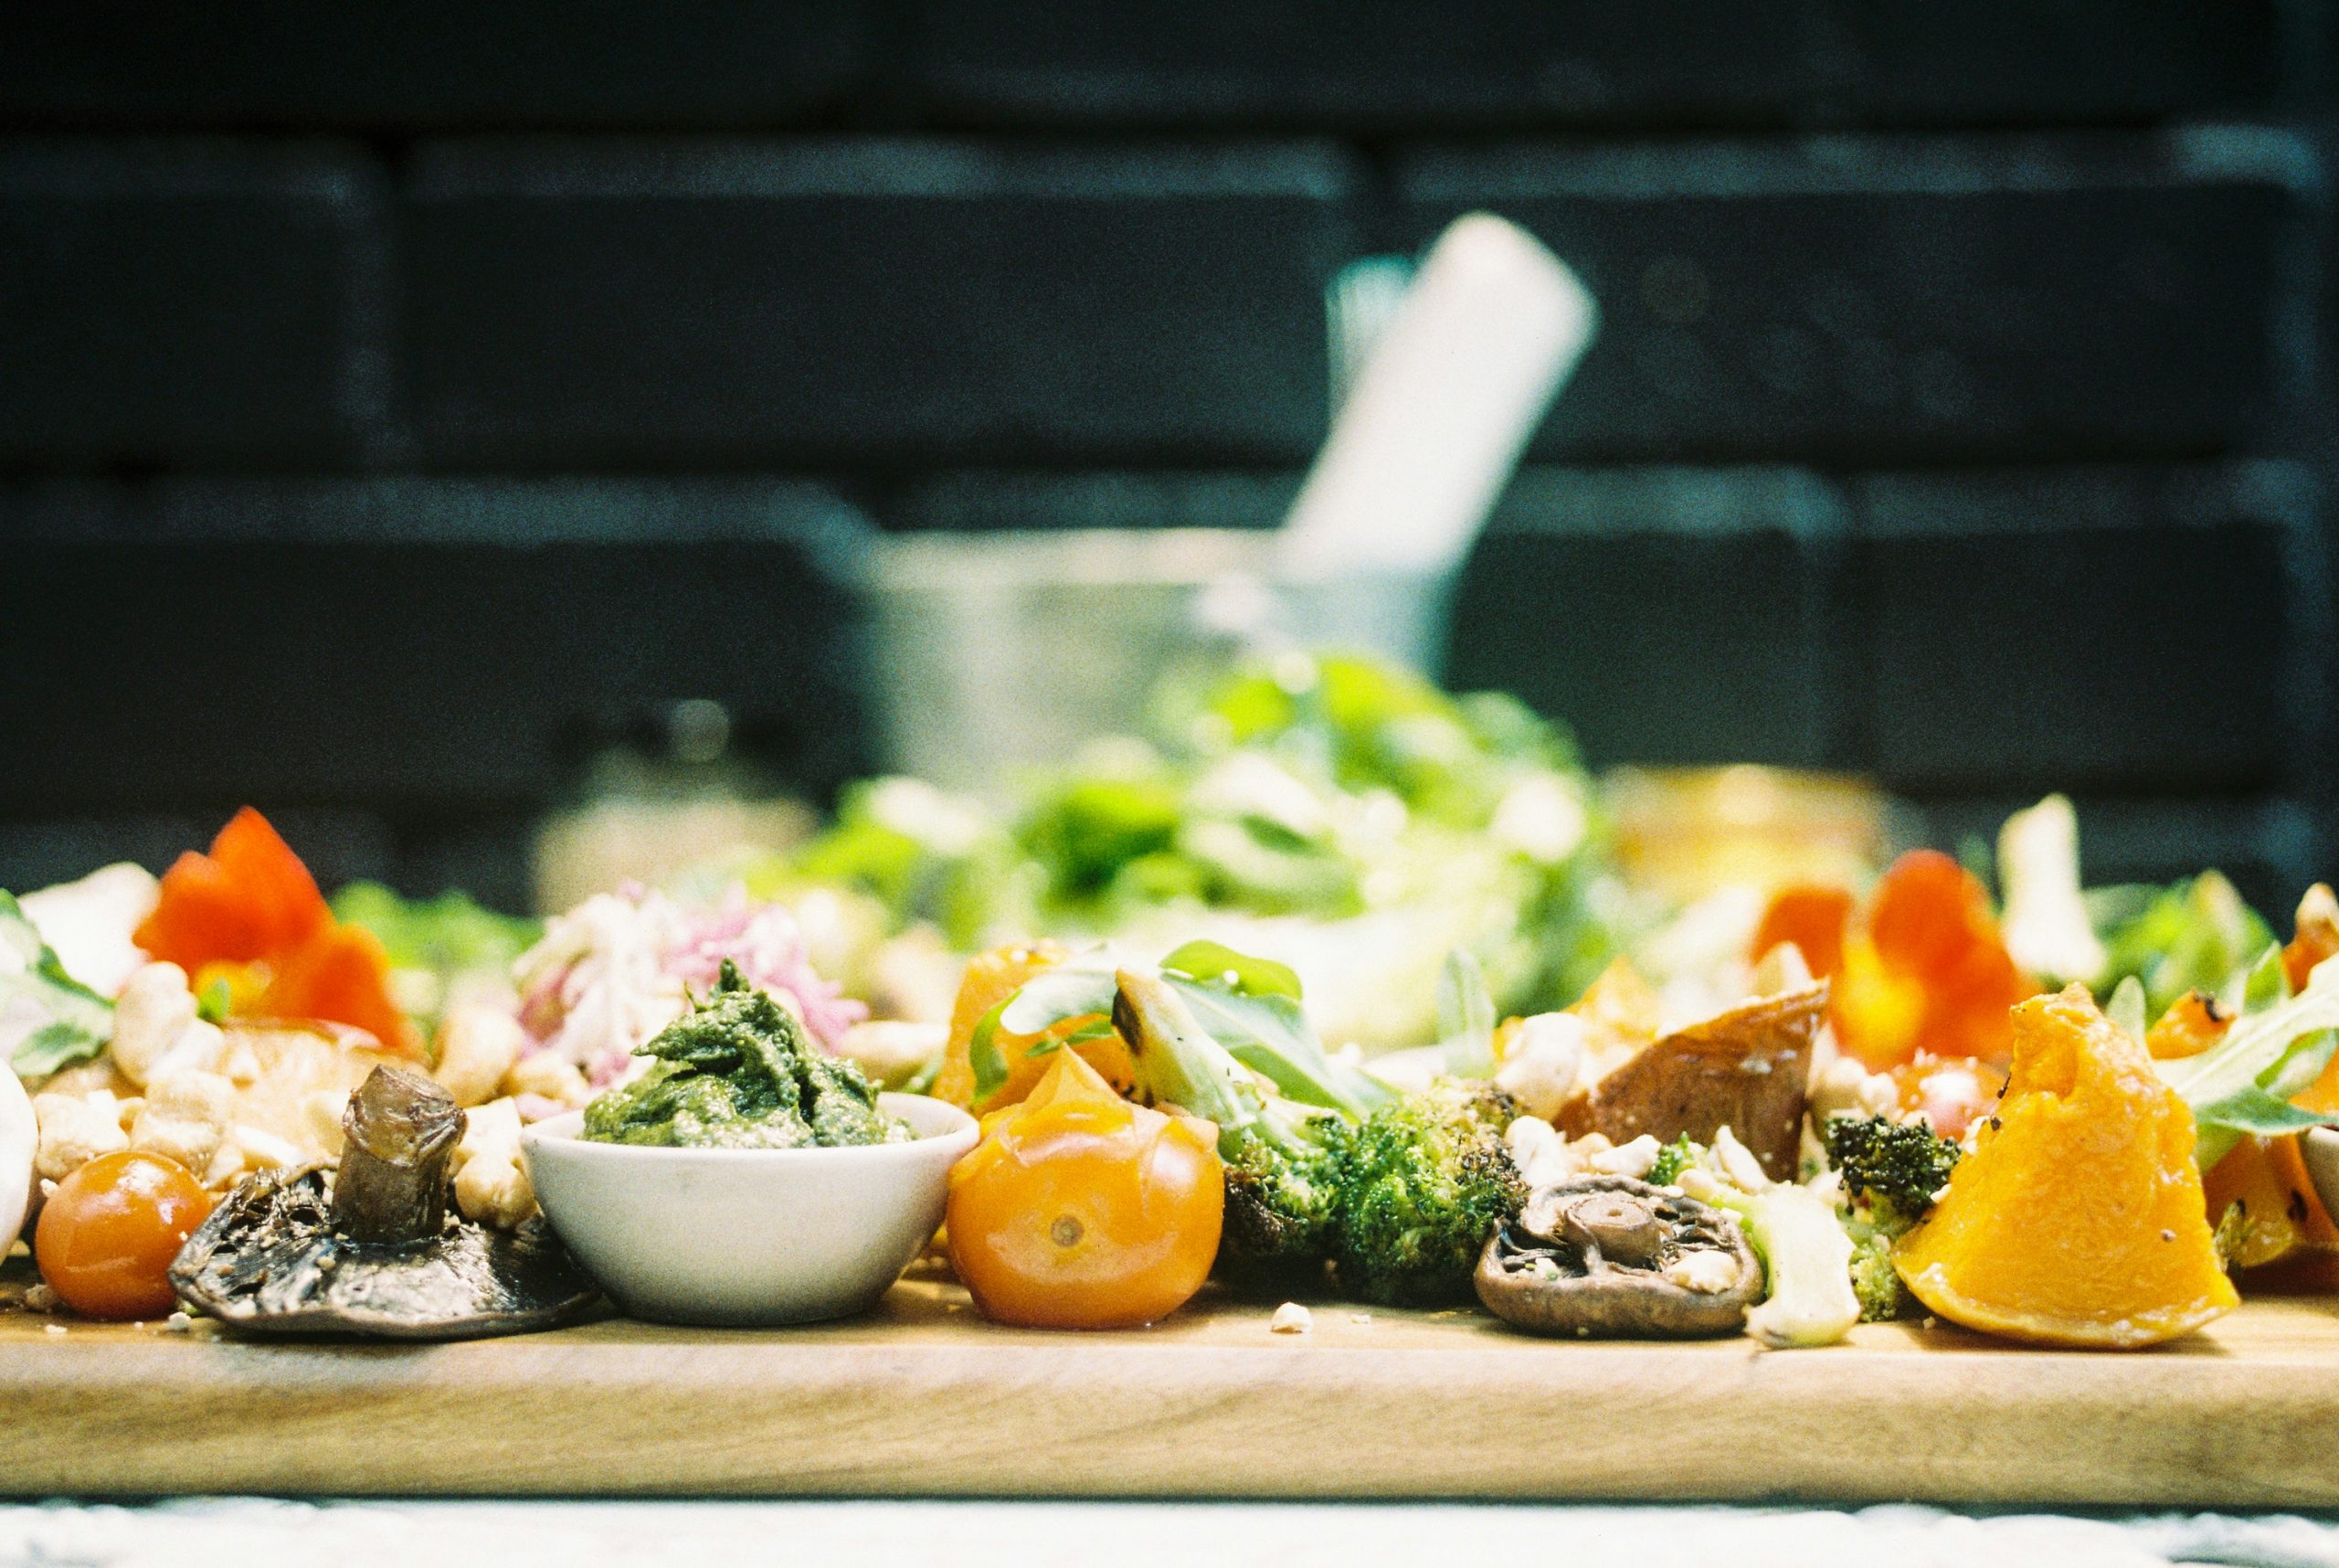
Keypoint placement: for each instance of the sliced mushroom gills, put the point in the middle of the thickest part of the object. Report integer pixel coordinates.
(1609, 1257)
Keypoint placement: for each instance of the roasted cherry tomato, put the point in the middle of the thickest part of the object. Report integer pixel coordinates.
(1079, 1210)
(107, 1236)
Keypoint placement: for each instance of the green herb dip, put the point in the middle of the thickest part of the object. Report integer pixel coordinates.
(736, 1072)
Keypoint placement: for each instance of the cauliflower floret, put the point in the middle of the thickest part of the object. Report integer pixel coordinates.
(477, 1046)
(1541, 1065)
(551, 1075)
(320, 1111)
(184, 1118)
(264, 1150)
(76, 1130)
(492, 1185)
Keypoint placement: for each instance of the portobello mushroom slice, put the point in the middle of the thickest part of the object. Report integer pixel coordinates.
(1609, 1258)
(373, 1249)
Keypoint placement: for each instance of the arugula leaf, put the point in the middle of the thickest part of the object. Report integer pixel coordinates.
(2265, 1055)
(72, 1022)
(1049, 997)
(1466, 1016)
(2261, 1112)
(1271, 1035)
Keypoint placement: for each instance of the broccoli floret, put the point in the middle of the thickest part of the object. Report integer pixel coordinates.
(1401, 1200)
(1882, 1296)
(1280, 1209)
(1892, 1170)
(1897, 1167)
(1280, 1160)
(1674, 1159)
(1423, 1181)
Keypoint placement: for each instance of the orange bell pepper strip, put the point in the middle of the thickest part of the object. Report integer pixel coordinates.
(248, 899)
(249, 909)
(342, 975)
(1929, 973)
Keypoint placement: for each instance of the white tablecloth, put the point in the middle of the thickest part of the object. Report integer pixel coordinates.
(244, 1532)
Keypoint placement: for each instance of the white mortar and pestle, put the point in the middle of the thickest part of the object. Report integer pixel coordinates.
(999, 651)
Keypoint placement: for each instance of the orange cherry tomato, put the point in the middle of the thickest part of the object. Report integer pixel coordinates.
(107, 1236)
(1079, 1210)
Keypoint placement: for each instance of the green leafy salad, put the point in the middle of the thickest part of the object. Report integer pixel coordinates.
(1344, 814)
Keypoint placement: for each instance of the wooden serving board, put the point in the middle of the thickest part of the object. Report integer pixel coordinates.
(923, 1397)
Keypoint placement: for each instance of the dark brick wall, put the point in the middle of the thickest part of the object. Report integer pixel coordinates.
(399, 400)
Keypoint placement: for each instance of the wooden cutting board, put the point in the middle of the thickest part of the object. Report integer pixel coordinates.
(924, 1397)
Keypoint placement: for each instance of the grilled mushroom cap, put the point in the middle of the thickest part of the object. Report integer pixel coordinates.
(1613, 1258)
(374, 1250)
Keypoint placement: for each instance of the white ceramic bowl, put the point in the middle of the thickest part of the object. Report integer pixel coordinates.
(747, 1237)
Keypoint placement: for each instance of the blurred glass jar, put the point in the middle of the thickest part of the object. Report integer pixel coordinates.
(661, 798)
(1684, 833)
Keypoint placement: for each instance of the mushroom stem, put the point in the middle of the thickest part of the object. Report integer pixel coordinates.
(1617, 1226)
(401, 1129)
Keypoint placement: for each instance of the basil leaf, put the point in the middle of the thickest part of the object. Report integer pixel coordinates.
(70, 1022)
(1213, 962)
(52, 1048)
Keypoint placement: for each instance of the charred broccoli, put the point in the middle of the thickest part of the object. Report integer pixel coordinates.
(1280, 1208)
(1896, 1167)
(1281, 1161)
(1892, 1170)
(1399, 1198)
(1421, 1183)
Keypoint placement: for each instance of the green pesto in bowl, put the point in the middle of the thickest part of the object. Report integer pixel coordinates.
(736, 1072)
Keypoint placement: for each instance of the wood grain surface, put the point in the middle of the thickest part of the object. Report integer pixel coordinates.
(923, 1397)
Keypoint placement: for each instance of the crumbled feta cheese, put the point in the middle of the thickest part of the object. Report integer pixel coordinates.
(1291, 1317)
